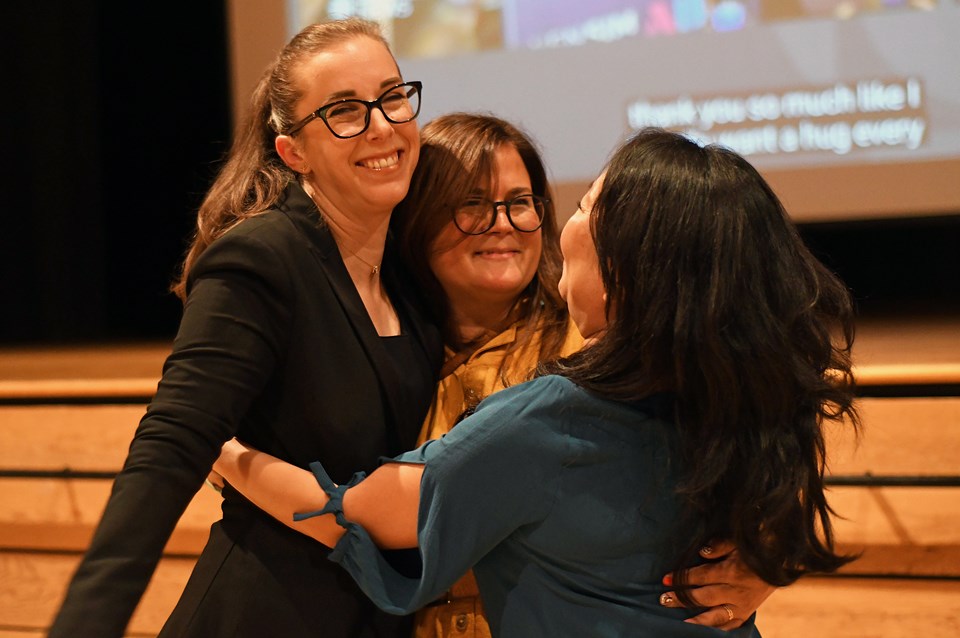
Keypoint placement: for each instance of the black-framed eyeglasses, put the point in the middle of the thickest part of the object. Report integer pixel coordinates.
(478, 215)
(349, 118)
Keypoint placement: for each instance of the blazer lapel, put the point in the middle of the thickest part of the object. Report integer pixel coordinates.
(303, 212)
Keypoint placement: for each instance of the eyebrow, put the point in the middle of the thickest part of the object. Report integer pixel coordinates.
(513, 192)
(349, 93)
(525, 190)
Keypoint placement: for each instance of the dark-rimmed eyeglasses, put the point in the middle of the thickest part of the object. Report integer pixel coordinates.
(349, 118)
(478, 215)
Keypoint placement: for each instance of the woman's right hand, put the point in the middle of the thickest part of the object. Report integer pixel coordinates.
(227, 462)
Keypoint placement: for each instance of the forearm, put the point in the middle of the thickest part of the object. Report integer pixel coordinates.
(385, 504)
(279, 489)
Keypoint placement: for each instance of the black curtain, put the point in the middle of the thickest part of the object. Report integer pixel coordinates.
(115, 117)
(894, 267)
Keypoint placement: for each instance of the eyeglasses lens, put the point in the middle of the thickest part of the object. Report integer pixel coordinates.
(477, 216)
(351, 117)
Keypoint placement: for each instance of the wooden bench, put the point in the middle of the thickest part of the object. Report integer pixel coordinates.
(66, 420)
(897, 495)
(76, 410)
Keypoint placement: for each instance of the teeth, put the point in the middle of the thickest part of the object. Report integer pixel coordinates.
(382, 163)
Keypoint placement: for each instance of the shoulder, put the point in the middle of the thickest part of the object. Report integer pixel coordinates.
(529, 416)
(292, 221)
(267, 248)
(272, 242)
(253, 243)
(555, 406)
(542, 394)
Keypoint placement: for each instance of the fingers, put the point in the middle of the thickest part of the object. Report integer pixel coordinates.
(715, 550)
(706, 596)
(724, 567)
(710, 573)
(722, 617)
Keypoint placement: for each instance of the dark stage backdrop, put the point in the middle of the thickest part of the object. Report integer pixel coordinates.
(115, 115)
(114, 118)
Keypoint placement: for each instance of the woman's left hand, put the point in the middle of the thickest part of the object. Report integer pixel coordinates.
(729, 590)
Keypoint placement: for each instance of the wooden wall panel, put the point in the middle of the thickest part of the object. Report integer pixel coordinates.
(906, 436)
(32, 586)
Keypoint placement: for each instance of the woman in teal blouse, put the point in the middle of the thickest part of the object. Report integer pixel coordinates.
(693, 412)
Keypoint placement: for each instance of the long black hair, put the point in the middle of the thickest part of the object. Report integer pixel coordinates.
(713, 297)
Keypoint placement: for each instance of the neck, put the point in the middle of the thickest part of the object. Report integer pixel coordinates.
(473, 318)
(360, 237)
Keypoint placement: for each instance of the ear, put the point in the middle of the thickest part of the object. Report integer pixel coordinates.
(289, 151)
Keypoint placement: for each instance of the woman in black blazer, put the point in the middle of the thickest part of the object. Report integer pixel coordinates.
(298, 335)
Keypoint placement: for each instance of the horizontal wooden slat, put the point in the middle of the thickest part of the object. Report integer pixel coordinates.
(897, 515)
(79, 437)
(52, 514)
(32, 586)
(93, 361)
(78, 388)
(862, 608)
(940, 561)
(905, 531)
(905, 436)
(908, 374)
(900, 436)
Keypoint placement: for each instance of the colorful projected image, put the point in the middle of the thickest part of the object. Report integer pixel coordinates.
(418, 28)
(440, 28)
(435, 28)
(544, 24)
(841, 9)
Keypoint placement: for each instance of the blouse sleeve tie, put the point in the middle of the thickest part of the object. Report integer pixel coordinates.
(334, 492)
(392, 591)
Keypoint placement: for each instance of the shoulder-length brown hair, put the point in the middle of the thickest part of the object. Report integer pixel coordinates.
(456, 155)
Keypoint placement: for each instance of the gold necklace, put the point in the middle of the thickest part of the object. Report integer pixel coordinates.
(374, 269)
(308, 189)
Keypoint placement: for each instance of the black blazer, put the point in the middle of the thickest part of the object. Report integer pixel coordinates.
(276, 348)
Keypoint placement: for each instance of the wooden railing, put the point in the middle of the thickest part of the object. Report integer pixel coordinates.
(67, 417)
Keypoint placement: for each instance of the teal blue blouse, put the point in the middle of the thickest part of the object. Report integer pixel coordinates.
(563, 504)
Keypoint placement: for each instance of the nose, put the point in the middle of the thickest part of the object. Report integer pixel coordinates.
(379, 125)
(501, 223)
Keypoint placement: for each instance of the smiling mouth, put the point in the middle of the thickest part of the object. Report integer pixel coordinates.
(381, 163)
(506, 252)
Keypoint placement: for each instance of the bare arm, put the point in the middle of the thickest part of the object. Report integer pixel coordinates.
(385, 503)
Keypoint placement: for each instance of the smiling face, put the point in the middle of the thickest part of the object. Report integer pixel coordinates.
(493, 268)
(580, 284)
(367, 173)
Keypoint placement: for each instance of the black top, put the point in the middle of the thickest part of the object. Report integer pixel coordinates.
(275, 347)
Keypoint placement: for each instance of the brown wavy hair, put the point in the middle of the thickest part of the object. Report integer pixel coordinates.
(253, 176)
(457, 152)
(713, 297)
